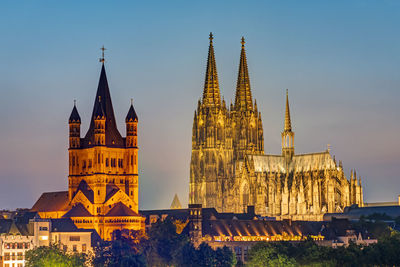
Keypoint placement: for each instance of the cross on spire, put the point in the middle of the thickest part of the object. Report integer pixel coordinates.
(211, 37)
(102, 54)
(243, 42)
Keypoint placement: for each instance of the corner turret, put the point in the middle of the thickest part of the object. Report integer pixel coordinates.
(131, 121)
(74, 128)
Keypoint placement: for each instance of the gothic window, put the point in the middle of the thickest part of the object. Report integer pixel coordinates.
(98, 158)
(106, 162)
(90, 163)
(73, 160)
(220, 167)
(245, 195)
(131, 159)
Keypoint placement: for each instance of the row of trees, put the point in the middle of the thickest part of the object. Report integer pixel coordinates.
(163, 246)
(384, 253)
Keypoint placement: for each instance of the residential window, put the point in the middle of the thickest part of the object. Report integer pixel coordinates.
(20, 245)
(20, 256)
(7, 256)
(43, 228)
(83, 247)
(74, 248)
(74, 238)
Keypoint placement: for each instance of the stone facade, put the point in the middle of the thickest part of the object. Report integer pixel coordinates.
(103, 172)
(230, 171)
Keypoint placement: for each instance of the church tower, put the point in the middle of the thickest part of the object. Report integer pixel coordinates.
(212, 154)
(248, 137)
(287, 134)
(103, 166)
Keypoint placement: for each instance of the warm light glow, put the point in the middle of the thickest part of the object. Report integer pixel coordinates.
(44, 237)
(283, 237)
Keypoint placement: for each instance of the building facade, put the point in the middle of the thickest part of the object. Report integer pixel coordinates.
(103, 172)
(18, 236)
(229, 169)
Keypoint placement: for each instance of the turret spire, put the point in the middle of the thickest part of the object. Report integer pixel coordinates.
(288, 124)
(287, 134)
(243, 99)
(211, 94)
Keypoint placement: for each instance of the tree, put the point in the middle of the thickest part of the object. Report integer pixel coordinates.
(163, 243)
(118, 253)
(53, 256)
(266, 254)
(188, 255)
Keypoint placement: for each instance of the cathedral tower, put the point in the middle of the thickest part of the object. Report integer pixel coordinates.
(247, 123)
(212, 154)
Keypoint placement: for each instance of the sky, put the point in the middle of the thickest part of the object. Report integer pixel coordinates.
(340, 61)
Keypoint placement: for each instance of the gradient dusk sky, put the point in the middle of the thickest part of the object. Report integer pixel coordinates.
(340, 61)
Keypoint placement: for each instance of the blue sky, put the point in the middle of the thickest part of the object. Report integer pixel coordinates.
(339, 60)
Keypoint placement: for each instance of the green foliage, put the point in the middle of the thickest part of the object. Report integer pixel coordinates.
(163, 243)
(117, 253)
(53, 256)
(269, 254)
(204, 255)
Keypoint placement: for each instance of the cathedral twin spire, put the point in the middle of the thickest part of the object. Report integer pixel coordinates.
(243, 99)
(211, 94)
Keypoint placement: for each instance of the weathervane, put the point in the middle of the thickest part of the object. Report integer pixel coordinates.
(102, 54)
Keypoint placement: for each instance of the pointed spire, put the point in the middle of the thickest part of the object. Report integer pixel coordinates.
(74, 117)
(243, 98)
(113, 137)
(288, 124)
(211, 94)
(176, 204)
(131, 116)
(99, 112)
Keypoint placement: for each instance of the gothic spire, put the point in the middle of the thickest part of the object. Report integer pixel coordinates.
(103, 102)
(131, 116)
(211, 94)
(74, 117)
(288, 124)
(243, 99)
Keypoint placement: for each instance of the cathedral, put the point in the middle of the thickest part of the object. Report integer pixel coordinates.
(230, 171)
(103, 171)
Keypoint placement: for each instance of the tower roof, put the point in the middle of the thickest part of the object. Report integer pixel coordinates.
(74, 117)
(131, 116)
(113, 137)
(288, 124)
(176, 204)
(99, 111)
(243, 99)
(211, 94)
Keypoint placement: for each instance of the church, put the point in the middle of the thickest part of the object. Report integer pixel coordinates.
(103, 171)
(230, 171)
